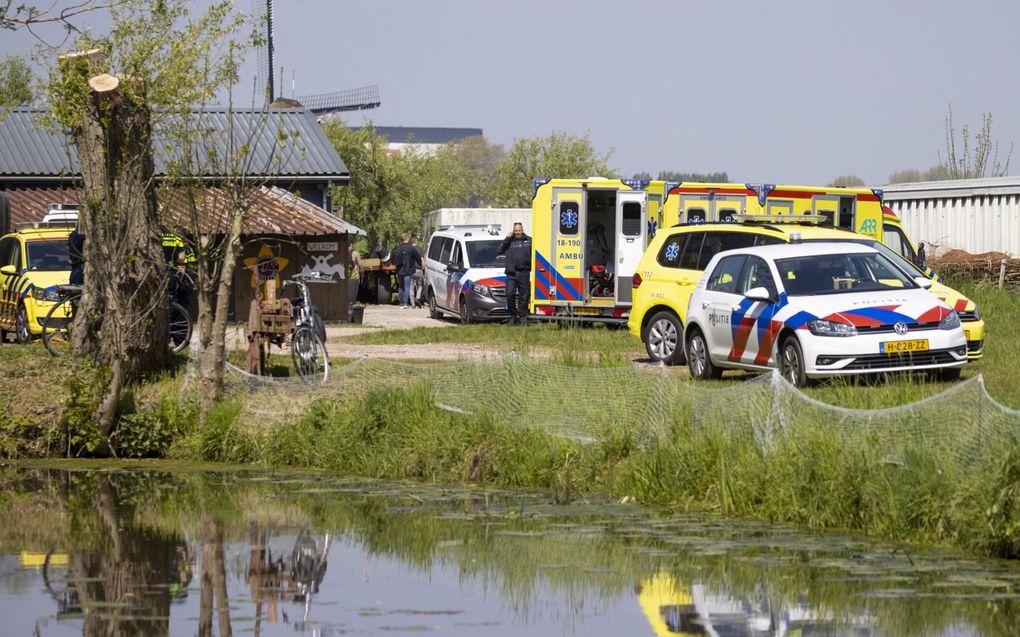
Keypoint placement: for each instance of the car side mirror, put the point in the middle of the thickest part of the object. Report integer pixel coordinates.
(923, 281)
(9, 270)
(454, 267)
(758, 294)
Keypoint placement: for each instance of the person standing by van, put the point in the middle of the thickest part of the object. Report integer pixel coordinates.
(407, 258)
(517, 248)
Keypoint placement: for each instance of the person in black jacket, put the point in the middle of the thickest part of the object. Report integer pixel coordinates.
(517, 248)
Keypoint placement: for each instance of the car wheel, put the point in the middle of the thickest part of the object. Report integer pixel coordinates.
(664, 339)
(434, 311)
(465, 311)
(22, 334)
(791, 362)
(699, 363)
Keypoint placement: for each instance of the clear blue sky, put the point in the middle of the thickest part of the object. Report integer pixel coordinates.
(798, 91)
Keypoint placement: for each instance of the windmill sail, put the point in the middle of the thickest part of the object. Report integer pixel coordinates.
(355, 99)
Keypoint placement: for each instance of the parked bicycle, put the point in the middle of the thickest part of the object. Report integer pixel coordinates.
(59, 322)
(308, 340)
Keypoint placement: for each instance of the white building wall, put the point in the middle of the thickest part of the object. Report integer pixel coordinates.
(506, 217)
(975, 215)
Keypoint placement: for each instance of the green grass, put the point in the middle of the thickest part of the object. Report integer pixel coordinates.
(505, 338)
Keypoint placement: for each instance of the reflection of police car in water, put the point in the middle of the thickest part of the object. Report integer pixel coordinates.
(463, 274)
(674, 608)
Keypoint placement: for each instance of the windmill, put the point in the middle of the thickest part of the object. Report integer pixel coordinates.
(354, 99)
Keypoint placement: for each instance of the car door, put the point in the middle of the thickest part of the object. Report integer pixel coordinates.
(677, 274)
(435, 272)
(721, 304)
(454, 262)
(754, 338)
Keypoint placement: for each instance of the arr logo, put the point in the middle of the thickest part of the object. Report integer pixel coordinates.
(868, 226)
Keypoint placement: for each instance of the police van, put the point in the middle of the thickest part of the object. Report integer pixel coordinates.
(463, 274)
(588, 236)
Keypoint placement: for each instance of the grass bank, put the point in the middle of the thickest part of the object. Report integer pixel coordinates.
(809, 476)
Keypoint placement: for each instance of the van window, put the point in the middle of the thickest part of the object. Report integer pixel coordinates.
(447, 252)
(716, 242)
(631, 226)
(436, 248)
(570, 217)
(5, 250)
(726, 274)
(726, 215)
(696, 215)
(672, 249)
(12, 254)
(458, 256)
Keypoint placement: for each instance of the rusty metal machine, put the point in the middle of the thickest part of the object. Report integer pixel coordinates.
(270, 322)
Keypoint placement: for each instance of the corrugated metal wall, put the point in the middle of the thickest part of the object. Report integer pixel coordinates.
(973, 222)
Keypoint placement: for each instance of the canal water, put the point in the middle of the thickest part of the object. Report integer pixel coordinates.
(160, 549)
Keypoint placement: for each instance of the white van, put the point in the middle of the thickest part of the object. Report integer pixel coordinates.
(463, 274)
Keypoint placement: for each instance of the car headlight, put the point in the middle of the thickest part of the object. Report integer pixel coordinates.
(45, 294)
(482, 290)
(821, 327)
(950, 321)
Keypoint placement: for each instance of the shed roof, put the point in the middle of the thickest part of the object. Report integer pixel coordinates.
(952, 188)
(28, 149)
(276, 211)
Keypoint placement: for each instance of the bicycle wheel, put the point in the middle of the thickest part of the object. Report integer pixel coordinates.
(57, 326)
(179, 323)
(309, 355)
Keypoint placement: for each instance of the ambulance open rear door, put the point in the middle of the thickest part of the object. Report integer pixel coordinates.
(631, 235)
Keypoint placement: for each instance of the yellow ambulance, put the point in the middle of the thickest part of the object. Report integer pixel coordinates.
(587, 238)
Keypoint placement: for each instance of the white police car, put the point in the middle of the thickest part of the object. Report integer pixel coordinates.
(818, 310)
(463, 274)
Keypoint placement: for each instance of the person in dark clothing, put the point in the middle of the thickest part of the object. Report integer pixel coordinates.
(76, 250)
(407, 258)
(517, 248)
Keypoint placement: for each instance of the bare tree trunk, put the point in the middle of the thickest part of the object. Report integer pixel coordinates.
(122, 317)
(214, 321)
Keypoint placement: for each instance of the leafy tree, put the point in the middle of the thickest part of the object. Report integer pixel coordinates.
(23, 15)
(480, 159)
(163, 62)
(15, 82)
(960, 163)
(673, 175)
(559, 155)
(847, 181)
(389, 194)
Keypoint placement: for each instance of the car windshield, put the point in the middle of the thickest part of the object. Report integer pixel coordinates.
(904, 264)
(482, 254)
(48, 256)
(839, 273)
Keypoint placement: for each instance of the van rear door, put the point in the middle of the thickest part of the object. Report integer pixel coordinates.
(559, 267)
(632, 228)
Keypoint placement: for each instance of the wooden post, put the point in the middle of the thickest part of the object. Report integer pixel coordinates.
(1002, 270)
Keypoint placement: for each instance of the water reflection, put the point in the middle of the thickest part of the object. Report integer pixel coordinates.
(154, 552)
